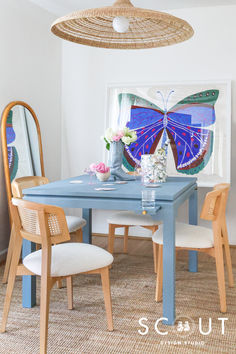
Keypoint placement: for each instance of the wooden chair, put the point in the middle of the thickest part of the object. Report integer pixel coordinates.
(75, 223)
(224, 187)
(127, 219)
(202, 239)
(46, 225)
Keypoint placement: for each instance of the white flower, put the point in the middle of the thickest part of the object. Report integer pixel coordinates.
(133, 135)
(129, 136)
(109, 134)
(126, 131)
(126, 140)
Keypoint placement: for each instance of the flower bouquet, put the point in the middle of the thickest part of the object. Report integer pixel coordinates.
(125, 135)
(101, 170)
(115, 142)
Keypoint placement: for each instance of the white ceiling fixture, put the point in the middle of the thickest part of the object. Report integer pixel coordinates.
(122, 26)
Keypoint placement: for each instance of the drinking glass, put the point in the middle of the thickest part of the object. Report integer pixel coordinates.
(91, 175)
(148, 199)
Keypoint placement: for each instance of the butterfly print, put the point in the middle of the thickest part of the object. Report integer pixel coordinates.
(185, 124)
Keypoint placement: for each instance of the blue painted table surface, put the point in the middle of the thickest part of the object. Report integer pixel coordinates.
(169, 196)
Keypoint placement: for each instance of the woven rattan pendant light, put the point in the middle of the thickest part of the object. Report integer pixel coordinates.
(145, 28)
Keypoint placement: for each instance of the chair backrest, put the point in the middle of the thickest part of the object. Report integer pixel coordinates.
(19, 184)
(224, 187)
(215, 203)
(211, 206)
(39, 223)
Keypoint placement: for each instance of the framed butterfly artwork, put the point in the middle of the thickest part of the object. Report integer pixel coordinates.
(195, 117)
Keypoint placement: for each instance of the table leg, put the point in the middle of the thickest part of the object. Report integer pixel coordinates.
(169, 265)
(193, 220)
(28, 281)
(87, 230)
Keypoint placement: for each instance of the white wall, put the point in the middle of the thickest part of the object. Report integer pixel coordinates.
(30, 70)
(210, 54)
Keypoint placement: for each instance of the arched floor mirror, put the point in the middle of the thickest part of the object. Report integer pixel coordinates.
(21, 143)
(22, 152)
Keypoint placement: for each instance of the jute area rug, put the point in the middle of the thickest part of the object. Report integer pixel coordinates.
(83, 330)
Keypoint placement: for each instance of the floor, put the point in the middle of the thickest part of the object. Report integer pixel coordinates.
(83, 330)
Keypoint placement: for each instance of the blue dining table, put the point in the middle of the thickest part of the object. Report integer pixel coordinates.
(168, 197)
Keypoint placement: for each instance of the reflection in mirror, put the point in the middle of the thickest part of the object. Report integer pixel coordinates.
(22, 143)
(22, 152)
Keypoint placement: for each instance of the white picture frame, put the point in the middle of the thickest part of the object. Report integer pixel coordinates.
(218, 168)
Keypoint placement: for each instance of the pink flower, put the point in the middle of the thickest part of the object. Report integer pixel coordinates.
(102, 168)
(93, 167)
(120, 133)
(116, 138)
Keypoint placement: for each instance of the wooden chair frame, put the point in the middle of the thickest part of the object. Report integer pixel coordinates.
(213, 209)
(17, 187)
(47, 282)
(112, 231)
(111, 238)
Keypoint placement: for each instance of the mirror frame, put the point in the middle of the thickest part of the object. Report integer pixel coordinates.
(4, 143)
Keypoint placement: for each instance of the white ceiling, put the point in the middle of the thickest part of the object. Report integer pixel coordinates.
(62, 7)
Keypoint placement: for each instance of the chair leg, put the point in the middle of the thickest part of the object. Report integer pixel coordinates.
(69, 284)
(9, 255)
(220, 276)
(154, 229)
(46, 286)
(38, 247)
(228, 256)
(159, 282)
(126, 234)
(59, 284)
(79, 235)
(11, 280)
(111, 237)
(155, 250)
(107, 296)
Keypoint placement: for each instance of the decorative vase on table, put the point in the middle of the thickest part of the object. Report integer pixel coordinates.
(115, 162)
(103, 177)
(154, 166)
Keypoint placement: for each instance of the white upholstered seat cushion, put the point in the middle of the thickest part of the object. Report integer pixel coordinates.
(74, 223)
(130, 218)
(189, 236)
(70, 258)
